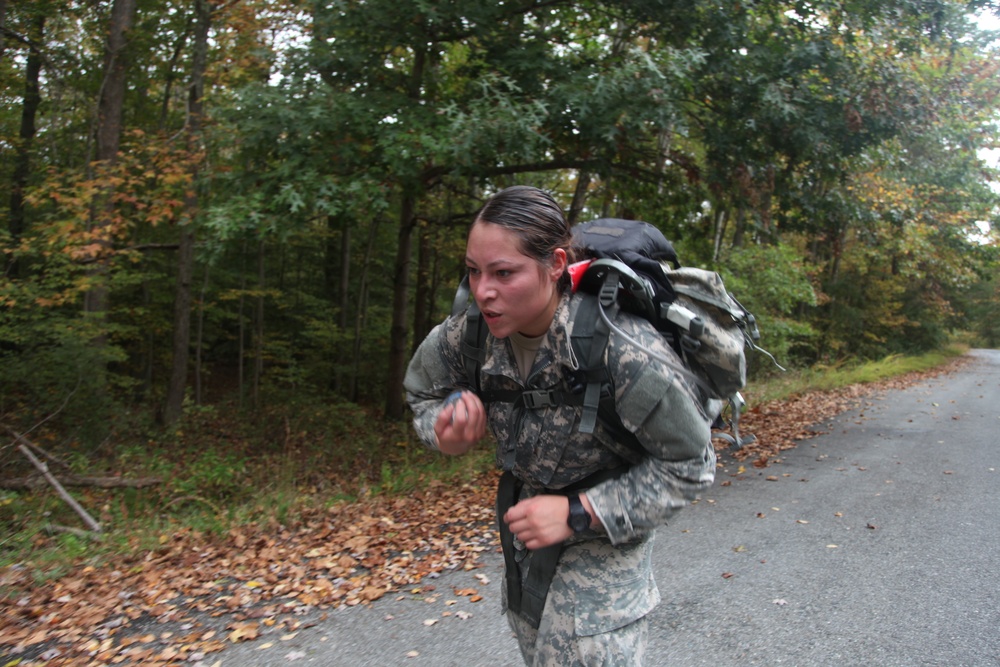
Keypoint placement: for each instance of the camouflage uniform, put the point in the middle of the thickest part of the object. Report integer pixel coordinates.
(603, 586)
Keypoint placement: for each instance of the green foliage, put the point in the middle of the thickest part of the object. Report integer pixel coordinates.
(984, 311)
(826, 377)
(773, 283)
(214, 474)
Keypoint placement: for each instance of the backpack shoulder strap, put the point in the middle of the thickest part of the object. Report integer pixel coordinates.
(473, 345)
(589, 340)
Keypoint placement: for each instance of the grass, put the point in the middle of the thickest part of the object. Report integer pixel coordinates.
(826, 377)
(221, 468)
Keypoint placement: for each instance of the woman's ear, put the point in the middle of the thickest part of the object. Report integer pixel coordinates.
(559, 260)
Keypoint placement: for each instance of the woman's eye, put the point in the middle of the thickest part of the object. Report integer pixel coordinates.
(472, 271)
(503, 273)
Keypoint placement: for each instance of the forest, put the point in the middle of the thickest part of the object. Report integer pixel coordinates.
(239, 217)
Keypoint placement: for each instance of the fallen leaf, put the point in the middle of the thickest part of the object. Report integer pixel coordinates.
(244, 632)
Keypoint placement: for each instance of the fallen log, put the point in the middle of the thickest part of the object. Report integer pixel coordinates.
(35, 481)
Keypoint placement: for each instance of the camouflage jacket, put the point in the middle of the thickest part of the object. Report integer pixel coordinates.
(543, 446)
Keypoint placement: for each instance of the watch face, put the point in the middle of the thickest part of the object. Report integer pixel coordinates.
(579, 520)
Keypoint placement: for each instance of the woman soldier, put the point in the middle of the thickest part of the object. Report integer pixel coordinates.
(576, 513)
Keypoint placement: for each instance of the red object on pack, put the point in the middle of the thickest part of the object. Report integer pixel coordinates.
(576, 271)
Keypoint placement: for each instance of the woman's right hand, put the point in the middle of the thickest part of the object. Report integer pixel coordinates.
(461, 423)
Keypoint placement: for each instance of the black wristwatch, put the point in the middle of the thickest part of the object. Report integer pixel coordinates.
(579, 519)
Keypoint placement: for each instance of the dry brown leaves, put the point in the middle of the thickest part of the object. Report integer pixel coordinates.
(195, 594)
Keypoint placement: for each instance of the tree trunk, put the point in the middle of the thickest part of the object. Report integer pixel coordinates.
(171, 75)
(721, 218)
(240, 372)
(362, 308)
(185, 255)
(579, 196)
(199, 340)
(336, 276)
(110, 107)
(3, 24)
(111, 103)
(739, 228)
(258, 336)
(663, 142)
(397, 332)
(22, 156)
(420, 298)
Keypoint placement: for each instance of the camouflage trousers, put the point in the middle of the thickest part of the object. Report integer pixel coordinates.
(595, 612)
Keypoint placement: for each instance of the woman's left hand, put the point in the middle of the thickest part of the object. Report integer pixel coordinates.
(540, 521)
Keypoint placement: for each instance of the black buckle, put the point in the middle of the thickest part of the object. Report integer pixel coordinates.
(538, 398)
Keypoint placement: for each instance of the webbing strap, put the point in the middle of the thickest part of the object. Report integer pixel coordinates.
(589, 338)
(474, 345)
(527, 597)
(507, 491)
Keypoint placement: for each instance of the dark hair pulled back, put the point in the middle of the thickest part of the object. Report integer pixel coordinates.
(536, 218)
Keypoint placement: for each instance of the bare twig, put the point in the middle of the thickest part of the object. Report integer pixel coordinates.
(44, 469)
(19, 437)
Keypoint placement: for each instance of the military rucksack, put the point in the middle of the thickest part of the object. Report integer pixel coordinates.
(630, 265)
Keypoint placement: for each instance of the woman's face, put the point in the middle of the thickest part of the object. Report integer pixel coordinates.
(515, 292)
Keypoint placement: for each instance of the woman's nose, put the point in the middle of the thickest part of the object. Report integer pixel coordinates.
(482, 289)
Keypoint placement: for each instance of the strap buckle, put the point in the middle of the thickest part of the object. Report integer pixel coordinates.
(535, 399)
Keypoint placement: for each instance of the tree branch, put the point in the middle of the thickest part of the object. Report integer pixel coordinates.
(70, 500)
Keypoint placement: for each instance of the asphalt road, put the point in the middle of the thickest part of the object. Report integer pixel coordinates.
(877, 544)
